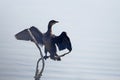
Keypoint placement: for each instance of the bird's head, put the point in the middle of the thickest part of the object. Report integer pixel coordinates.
(52, 22)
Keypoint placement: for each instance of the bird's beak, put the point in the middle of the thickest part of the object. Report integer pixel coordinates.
(57, 22)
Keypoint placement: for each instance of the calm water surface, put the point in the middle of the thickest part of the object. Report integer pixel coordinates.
(94, 29)
(92, 58)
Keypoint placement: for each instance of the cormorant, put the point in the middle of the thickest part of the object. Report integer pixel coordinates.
(49, 40)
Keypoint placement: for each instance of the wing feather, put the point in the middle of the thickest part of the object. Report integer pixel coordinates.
(63, 41)
(24, 35)
(37, 34)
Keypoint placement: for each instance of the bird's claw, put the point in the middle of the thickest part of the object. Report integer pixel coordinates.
(45, 57)
(53, 58)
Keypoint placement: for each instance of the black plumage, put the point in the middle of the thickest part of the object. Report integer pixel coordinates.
(49, 40)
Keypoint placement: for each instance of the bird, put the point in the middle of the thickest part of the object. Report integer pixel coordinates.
(48, 40)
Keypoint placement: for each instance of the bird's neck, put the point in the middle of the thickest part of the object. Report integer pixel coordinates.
(49, 29)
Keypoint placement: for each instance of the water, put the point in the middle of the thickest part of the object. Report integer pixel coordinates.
(92, 58)
(94, 29)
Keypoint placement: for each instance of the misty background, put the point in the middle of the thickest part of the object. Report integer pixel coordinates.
(92, 25)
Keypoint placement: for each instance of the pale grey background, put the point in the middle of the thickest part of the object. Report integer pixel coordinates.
(94, 29)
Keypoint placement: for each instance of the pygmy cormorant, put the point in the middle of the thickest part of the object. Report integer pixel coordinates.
(49, 40)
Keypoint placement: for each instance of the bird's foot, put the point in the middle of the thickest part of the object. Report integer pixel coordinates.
(55, 58)
(58, 58)
(45, 57)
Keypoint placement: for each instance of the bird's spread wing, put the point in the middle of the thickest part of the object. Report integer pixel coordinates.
(24, 35)
(37, 34)
(63, 41)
